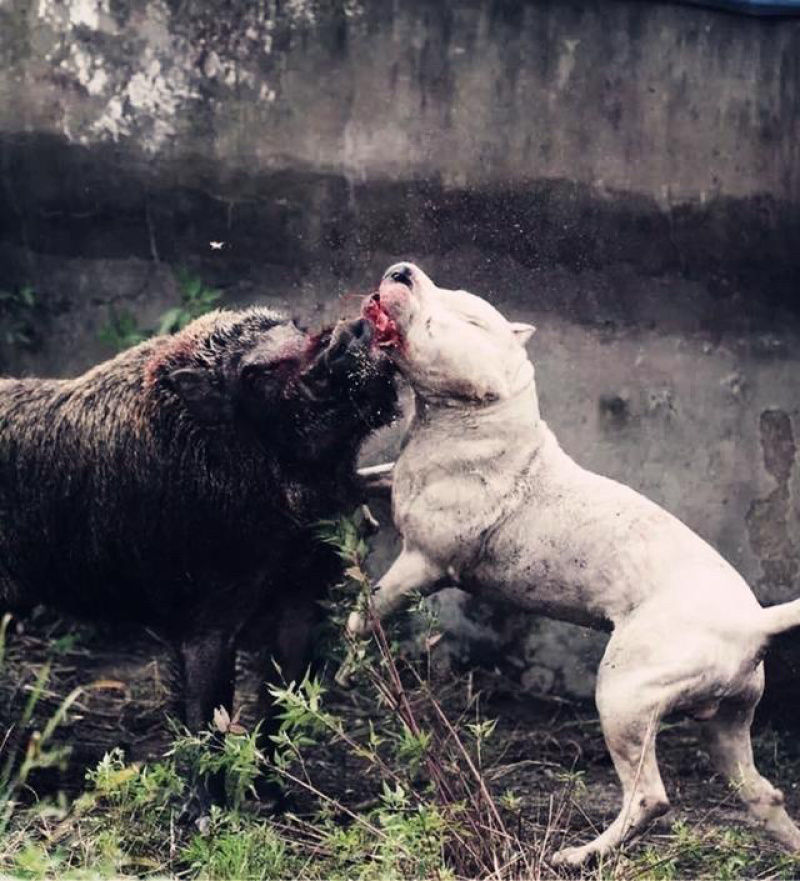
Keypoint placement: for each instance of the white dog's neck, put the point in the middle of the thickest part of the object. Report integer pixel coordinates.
(476, 459)
(520, 409)
(503, 438)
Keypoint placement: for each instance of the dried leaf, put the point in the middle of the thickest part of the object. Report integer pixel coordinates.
(431, 641)
(222, 719)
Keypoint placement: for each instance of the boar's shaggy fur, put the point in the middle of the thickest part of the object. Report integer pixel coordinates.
(180, 484)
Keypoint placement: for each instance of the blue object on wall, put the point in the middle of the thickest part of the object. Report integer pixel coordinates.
(752, 7)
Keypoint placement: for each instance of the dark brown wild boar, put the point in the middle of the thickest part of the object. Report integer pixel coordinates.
(180, 484)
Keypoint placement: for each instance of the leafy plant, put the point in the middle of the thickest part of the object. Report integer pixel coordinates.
(234, 847)
(196, 299)
(715, 852)
(225, 748)
(436, 810)
(123, 329)
(21, 756)
(19, 313)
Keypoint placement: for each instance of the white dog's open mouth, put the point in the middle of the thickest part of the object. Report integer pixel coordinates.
(387, 334)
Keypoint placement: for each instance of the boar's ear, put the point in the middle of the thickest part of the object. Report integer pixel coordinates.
(522, 332)
(197, 389)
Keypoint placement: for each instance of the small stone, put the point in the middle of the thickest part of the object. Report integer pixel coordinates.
(211, 65)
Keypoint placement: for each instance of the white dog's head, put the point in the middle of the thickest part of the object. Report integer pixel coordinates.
(448, 344)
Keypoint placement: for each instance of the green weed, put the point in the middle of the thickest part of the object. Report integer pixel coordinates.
(20, 314)
(196, 299)
(123, 329)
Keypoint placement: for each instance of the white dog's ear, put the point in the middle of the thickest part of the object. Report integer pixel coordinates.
(523, 332)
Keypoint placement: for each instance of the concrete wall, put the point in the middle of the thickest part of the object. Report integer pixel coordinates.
(624, 174)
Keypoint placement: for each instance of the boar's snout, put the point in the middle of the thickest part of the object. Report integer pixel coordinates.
(348, 340)
(349, 345)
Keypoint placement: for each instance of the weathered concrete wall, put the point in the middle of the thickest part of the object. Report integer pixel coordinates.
(624, 174)
(645, 97)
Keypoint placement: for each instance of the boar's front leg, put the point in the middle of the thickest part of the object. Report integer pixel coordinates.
(289, 644)
(208, 661)
(209, 672)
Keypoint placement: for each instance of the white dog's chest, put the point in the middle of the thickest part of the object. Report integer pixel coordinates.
(562, 542)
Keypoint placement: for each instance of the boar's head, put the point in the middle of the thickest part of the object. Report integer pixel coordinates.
(260, 373)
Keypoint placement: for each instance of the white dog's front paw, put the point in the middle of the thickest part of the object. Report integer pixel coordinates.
(571, 857)
(356, 624)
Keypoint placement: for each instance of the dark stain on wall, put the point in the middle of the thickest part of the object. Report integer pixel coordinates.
(614, 410)
(771, 541)
(767, 518)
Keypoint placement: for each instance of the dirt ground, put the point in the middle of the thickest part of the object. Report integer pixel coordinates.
(548, 752)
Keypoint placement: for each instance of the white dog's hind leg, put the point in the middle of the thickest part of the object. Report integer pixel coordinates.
(411, 571)
(630, 727)
(728, 738)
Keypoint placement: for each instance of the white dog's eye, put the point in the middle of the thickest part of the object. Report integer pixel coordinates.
(469, 318)
(478, 324)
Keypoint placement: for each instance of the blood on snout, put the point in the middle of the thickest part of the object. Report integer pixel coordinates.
(393, 295)
(375, 310)
(386, 333)
(318, 341)
(292, 354)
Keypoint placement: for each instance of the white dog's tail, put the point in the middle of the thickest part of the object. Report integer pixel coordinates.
(776, 619)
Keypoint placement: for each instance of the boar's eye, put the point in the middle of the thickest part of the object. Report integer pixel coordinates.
(267, 378)
(201, 394)
(250, 373)
(254, 370)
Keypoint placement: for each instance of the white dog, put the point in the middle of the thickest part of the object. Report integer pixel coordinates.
(485, 497)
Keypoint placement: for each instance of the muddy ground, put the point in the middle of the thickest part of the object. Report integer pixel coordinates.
(548, 752)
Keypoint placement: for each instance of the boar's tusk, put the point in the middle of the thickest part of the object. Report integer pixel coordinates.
(386, 468)
(377, 479)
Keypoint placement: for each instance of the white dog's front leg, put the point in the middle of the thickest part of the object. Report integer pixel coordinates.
(411, 571)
